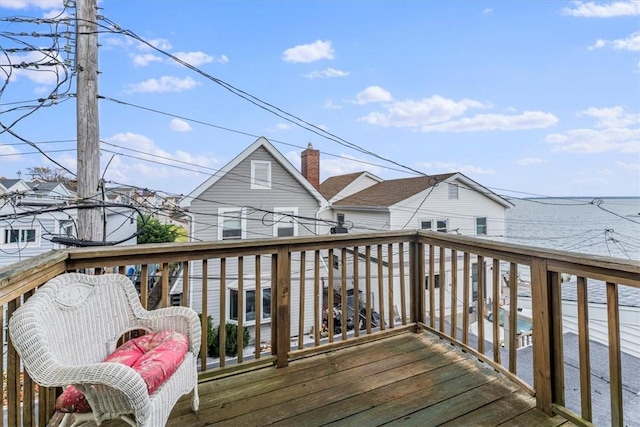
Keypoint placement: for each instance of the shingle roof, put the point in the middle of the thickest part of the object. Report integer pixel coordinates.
(388, 193)
(335, 184)
(8, 182)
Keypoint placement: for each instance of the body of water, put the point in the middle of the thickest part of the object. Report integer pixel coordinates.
(595, 226)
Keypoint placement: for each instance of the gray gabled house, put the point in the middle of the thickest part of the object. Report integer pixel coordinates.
(259, 194)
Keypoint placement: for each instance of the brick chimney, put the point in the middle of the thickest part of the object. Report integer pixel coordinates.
(311, 165)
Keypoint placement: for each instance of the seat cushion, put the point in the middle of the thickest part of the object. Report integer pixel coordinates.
(154, 356)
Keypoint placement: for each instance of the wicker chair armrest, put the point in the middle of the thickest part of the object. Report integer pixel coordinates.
(114, 375)
(179, 319)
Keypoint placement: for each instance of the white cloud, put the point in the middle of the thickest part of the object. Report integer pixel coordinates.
(491, 122)
(326, 74)
(421, 113)
(194, 58)
(10, 153)
(329, 105)
(158, 43)
(145, 59)
(373, 94)
(631, 43)
(178, 125)
(487, 11)
(529, 161)
(163, 84)
(596, 141)
(283, 126)
(603, 10)
(154, 163)
(611, 117)
(309, 52)
(630, 166)
(24, 4)
(444, 167)
(44, 75)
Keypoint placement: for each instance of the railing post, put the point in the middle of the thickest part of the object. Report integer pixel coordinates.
(547, 372)
(416, 281)
(283, 306)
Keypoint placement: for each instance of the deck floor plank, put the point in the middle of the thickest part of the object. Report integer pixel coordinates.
(406, 380)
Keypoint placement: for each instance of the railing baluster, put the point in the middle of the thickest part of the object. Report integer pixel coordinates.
(204, 350)
(343, 293)
(367, 255)
(258, 300)
(556, 328)
(513, 316)
(496, 310)
(274, 302)
(2, 367)
(542, 340)
(241, 311)
(317, 314)
(466, 266)
(454, 294)
(584, 351)
(441, 291)
(185, 284)
(403, 291)
(392, 317)
(615, 366)
(28, 398)
(330, 291)
(301, 303)
(144, 285)
(480, 303)
(356, 292)
(222, 330)
(432, 286)
(13, 374)
(164, 299)
(380, 288)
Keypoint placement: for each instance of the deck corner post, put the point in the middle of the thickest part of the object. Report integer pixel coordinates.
(417, 268)
(283, 307)
(544, 351)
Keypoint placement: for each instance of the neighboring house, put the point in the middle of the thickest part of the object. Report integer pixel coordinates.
(30, 235)
(259, 194)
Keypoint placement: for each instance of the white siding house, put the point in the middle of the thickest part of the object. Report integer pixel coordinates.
(34, 213)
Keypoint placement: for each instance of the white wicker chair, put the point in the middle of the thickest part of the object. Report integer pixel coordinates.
(68, 327)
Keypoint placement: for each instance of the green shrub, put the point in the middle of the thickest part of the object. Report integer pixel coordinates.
(231, 342)
(211, 333)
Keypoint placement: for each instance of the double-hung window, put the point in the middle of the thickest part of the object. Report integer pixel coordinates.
(436, 279)
(426, 224)
(232, 224)
(481, 226)
(19, 236)
(285, 223)
(249, 306)
(260, 175)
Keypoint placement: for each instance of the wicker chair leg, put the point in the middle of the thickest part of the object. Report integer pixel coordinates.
(128, 420)
(195, 399)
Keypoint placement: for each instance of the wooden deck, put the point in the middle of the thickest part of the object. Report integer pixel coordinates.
(408, 379)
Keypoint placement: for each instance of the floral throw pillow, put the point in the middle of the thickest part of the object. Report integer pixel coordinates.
(154, 356)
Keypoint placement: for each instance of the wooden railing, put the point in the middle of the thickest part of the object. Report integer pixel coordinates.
(300, 296)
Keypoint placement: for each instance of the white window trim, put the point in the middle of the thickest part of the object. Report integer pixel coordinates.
(259, 186)
(20, 245)
(486, 225)
(285, 210)
(243, 222)
(248, 285)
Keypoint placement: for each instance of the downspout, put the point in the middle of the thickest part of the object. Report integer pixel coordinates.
(191, 234)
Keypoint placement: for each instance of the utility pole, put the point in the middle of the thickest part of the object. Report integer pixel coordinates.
(88, 130)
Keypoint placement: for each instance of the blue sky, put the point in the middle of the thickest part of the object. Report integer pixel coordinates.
(526, 98)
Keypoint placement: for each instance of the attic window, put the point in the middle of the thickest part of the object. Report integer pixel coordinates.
(260, 175)
(453, 191)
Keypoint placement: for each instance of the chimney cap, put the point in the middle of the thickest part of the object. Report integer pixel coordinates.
(310, 146)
